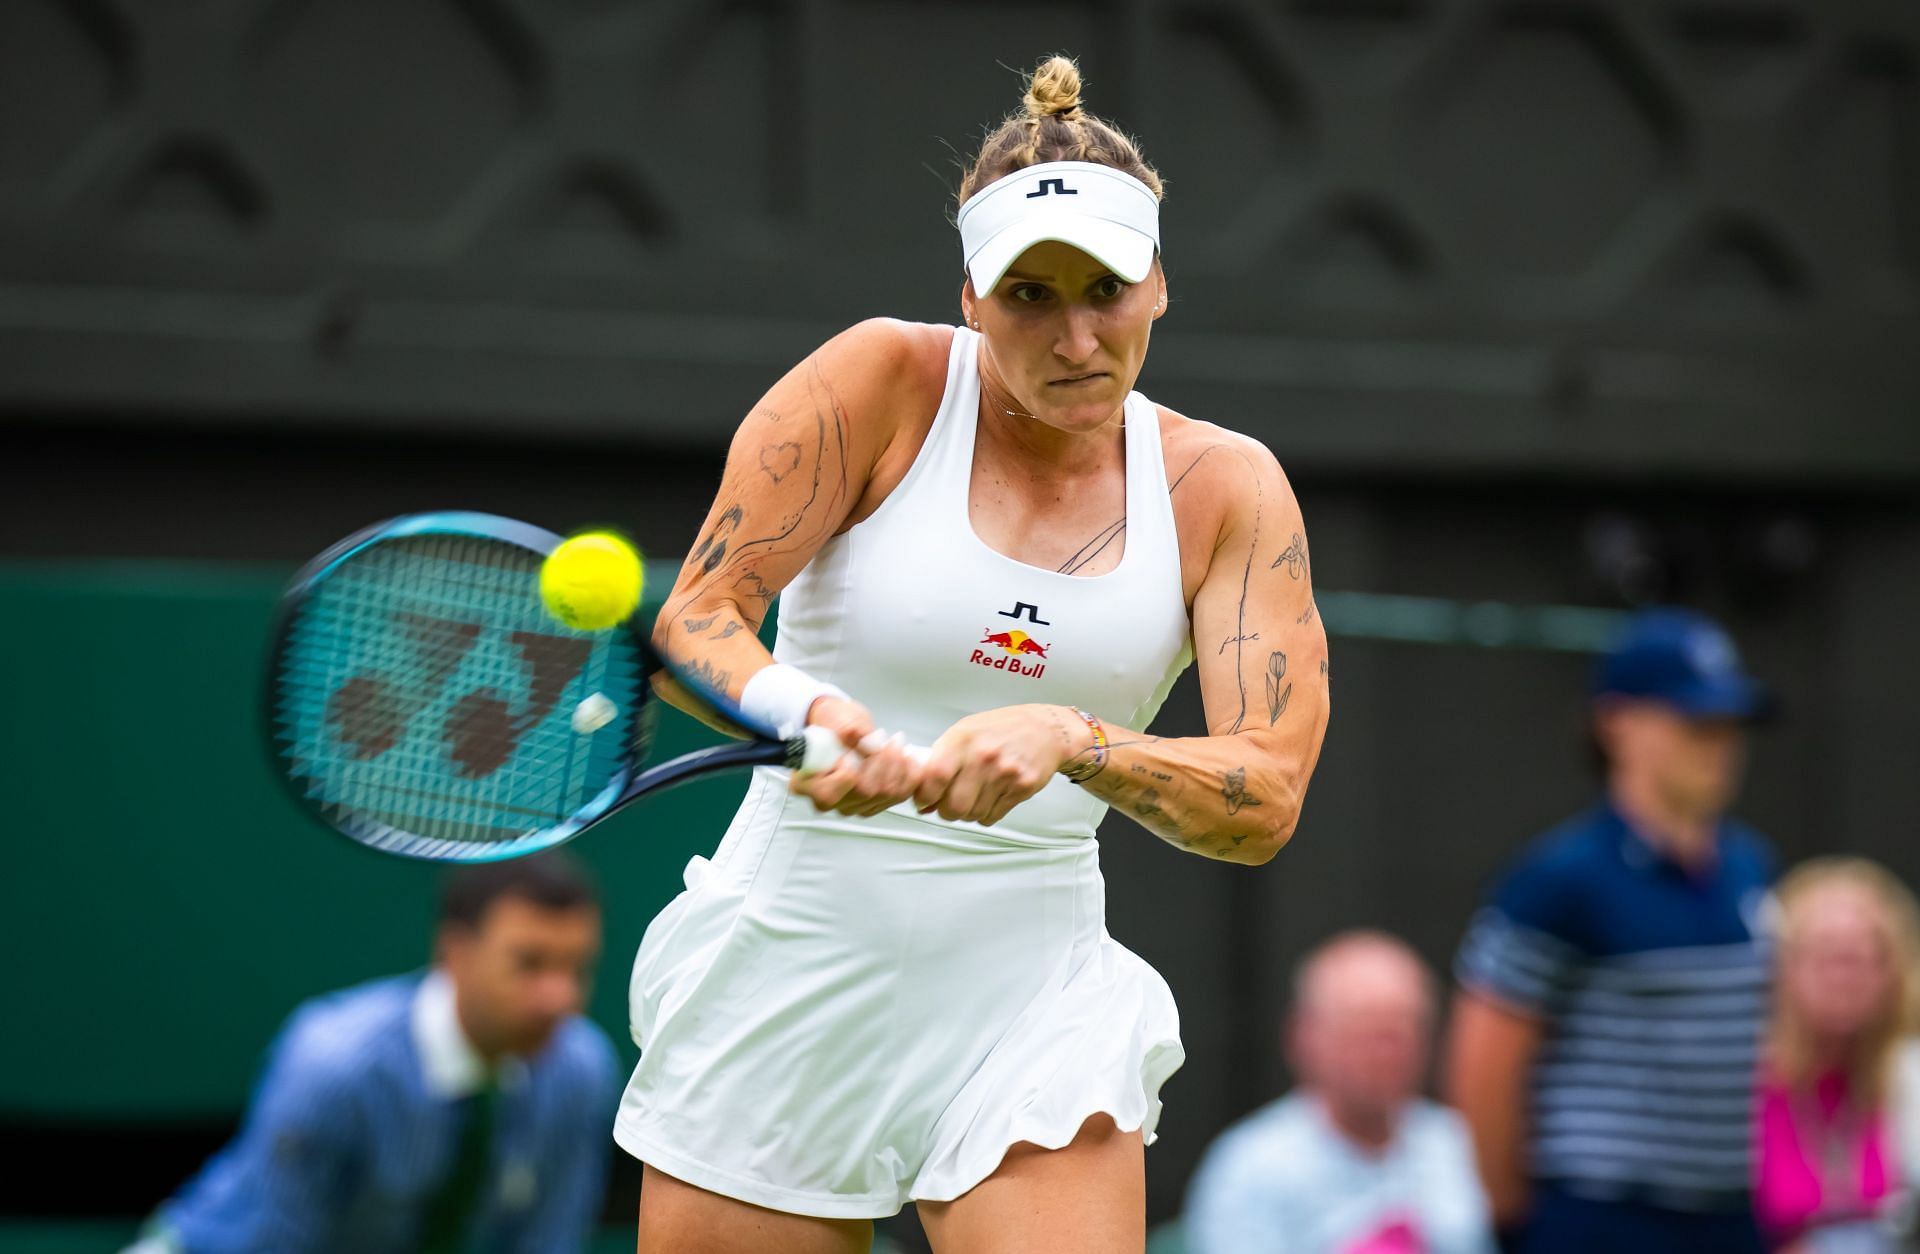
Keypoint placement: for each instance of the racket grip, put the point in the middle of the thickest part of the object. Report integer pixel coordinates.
(824, 750)
(876, 740)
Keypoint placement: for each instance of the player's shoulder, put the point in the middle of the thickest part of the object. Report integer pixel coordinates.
(1210, 452)
(890, 353)
(1221, 480)
(882, 379)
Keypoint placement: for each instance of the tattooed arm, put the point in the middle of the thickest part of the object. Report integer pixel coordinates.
(801, 468)
(1236, 793)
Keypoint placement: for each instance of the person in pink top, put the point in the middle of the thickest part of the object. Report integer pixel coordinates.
(1848, 964)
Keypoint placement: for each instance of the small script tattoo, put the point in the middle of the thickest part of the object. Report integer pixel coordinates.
(1235, 792)
(1237, 640)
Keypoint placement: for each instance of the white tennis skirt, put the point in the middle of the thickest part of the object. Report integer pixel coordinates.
(839, 1016)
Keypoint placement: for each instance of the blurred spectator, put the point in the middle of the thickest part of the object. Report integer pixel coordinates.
(1848, 944)
(1353, 1161)
(466, 1108)
(1612, 994)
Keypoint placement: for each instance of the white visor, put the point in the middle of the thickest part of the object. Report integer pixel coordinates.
(1111, 216)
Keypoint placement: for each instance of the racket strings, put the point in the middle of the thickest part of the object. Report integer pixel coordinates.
(424, 690)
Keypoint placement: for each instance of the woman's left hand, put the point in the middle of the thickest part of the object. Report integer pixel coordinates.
(988, 763)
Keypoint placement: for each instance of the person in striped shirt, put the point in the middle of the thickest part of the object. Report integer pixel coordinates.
(467, 1108)
(1612, 991)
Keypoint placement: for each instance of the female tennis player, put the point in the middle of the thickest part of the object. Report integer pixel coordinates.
(892, 981)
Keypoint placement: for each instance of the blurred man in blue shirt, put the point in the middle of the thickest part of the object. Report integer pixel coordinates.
(1353, 1161)
(466, 1109)
(1613, 989)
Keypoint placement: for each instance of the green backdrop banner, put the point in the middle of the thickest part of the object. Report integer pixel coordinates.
(164, 903)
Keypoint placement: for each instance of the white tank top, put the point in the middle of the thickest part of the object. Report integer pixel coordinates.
(923, 623)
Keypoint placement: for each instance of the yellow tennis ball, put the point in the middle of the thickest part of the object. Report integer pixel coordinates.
(592, 581)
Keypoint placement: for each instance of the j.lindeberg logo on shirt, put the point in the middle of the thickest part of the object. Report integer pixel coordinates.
(1032, 613)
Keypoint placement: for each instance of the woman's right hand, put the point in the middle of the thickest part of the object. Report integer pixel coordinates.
(861, 783)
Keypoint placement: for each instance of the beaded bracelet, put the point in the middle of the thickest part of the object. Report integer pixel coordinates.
(1087, 770)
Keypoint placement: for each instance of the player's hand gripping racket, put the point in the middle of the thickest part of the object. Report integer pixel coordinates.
(423, 702)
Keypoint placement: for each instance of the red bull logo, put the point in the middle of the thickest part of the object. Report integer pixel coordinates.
(1007, 650)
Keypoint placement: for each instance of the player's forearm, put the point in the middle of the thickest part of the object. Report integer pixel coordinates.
(711, 638)
(1235, 798)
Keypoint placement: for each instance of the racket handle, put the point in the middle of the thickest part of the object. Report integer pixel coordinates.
(824, 749)
(876, 740)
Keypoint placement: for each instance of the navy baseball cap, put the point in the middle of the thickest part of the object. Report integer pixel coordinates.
(1685, 660)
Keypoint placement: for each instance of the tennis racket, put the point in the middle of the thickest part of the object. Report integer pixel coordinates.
(421, 701)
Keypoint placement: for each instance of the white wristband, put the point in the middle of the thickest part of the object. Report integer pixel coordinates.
(779, 697)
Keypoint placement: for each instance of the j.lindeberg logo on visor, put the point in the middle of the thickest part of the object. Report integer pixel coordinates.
(1105, 213)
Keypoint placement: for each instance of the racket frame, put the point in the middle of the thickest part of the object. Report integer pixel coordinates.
(627, 783)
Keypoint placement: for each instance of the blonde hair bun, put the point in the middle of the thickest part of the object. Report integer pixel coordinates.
(1053, 126)
(1054, 89)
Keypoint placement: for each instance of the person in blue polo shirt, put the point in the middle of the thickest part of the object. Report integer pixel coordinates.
(1612, 992)
(466, 1109)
